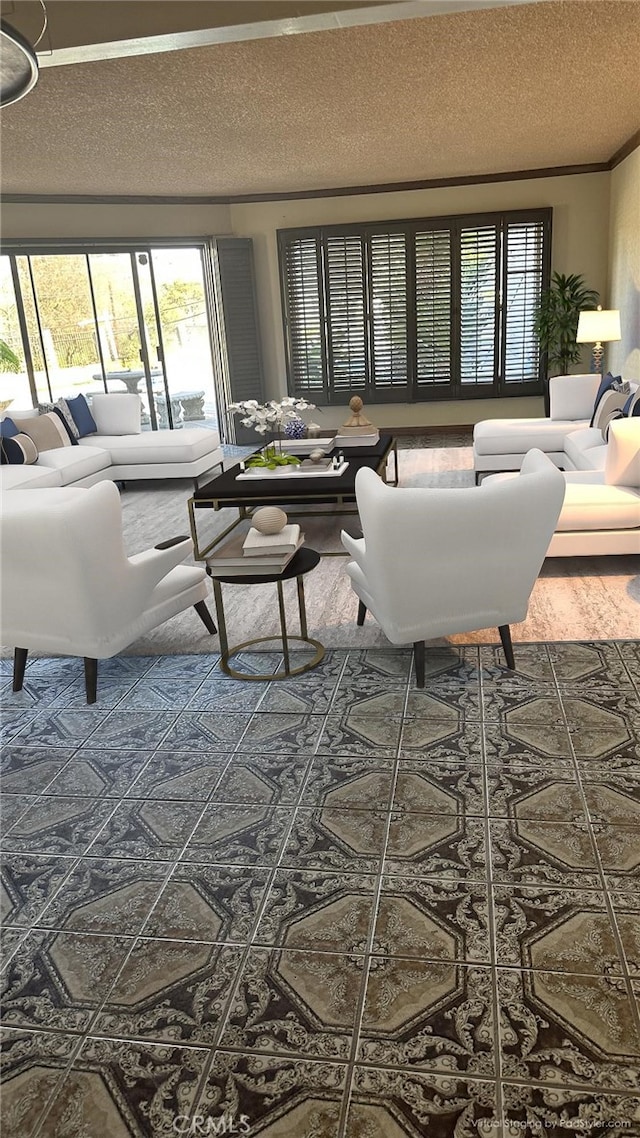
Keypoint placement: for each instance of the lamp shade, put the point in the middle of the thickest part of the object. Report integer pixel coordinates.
(598, 326)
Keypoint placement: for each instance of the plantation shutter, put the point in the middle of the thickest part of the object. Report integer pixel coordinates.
(415, 309)
(388, 273)
(238, 325)
(304, 319)
(433, 307)
(522, 285)
(346, 313)
(478, 252)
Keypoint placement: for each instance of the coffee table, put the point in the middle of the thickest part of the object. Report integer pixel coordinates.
(304, 494)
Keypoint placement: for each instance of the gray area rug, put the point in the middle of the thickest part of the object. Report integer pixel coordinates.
(574, 599)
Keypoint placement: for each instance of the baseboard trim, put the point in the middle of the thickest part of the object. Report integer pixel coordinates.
(426, 429)
(431, 429)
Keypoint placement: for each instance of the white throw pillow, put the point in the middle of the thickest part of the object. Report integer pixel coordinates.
(117, 414)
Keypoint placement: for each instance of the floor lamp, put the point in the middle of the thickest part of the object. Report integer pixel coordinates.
(597, 327)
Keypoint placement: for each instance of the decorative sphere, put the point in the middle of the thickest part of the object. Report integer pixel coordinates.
(356, 404)
(269, 520)
(317, 455)
(295, 429)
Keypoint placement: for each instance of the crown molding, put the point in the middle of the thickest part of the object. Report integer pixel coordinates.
(298, 195)
(625, 150)
(424, 184)
(115, 199)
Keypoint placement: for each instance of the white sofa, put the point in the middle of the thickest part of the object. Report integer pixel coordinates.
(601, 509)
(501, 444)
(119, 451)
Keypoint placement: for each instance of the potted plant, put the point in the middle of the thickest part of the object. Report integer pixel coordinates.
(556, 320)
(272, 417)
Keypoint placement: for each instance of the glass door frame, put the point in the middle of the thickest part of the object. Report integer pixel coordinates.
(15, 247)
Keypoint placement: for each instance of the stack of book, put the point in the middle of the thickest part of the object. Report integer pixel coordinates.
(254, 553)
(356, 437)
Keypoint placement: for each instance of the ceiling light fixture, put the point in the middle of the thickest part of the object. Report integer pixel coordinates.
(18, 62)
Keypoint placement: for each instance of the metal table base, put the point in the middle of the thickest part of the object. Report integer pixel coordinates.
(304, 560)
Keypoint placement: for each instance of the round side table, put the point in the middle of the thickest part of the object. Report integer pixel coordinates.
(301, 563)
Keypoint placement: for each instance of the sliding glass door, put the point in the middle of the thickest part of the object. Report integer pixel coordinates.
(128, 319)
(177, 334)
(14, 378)
(123, 331)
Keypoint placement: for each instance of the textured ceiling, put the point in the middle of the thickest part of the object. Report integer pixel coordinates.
(468, 93)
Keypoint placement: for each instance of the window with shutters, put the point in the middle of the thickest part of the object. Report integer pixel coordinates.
(436, 308)
(346, 313)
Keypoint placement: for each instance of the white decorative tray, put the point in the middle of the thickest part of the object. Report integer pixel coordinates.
(305, 446)
(290, 472)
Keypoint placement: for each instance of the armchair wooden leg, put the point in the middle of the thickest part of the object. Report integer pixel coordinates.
(418, 659)
(362, 612)
(19, 665)
(91, 679)
(505, 636)
(205, 617)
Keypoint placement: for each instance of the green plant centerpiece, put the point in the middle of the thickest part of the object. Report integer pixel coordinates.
(271, 417)
(271, 459)
(556, 318)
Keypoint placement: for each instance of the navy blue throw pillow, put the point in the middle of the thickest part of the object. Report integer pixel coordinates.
(18, 450)
(82, 416)
(606, 384)
(632, 406)
(8, 428)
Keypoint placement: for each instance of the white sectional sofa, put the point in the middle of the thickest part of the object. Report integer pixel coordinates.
(119, 451)
(501, 444)
(601, 509)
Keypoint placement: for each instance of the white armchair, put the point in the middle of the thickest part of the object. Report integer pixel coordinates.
(68, 587)
(437, 562)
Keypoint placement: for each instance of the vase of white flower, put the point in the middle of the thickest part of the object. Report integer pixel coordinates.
(270, 417)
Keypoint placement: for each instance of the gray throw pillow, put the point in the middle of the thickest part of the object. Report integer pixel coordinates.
(62, 408)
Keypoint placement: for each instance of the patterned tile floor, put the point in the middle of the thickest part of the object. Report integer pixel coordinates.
(335, 906)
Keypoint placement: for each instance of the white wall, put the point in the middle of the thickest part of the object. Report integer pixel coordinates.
(580, 239)
(101, 219)
(623, 358)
